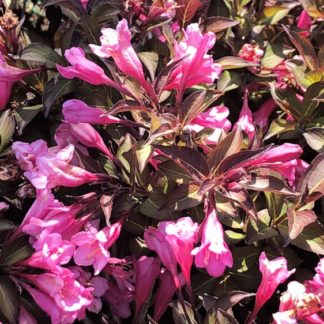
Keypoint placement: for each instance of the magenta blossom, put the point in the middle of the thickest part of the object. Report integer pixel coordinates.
(82, 133)
(147, 270)
(245, 120)
(117, 44)
(274, 273)
(83, 68)
(52, 168)
(251, 53)
(76, 111)
(69, 296)
(196, 66)
(92, 246)
(25, 317)
(214, 118)
(213, 254)
(261, 116)
(173, 242)
(8, 76)
(304, 21)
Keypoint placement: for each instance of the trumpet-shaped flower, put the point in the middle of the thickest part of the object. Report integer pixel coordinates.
(52, 168)
(76, 111)
(196, 66)
(8, 76)
(245, 120)
(274, 273)
(173, 242)
(82, 133)
(92, 246)
(116, 43)
(213, 254)
(83, 68)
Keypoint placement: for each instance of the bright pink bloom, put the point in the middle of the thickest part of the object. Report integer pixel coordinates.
(76, 111)
(8, 76)
(25, 317)
(316, 285)
(274, 273)
(214, 118)
(117, 44)
(47, 304)
(298, 305)
(261, 116)
(181, 235)
(82, 133)
(304, 21)
(70, 297)
(251, 53)
(93, 246)
(84, 4)
(147, 270)
(213, 253)
(51, 169)
(245, 120)
(173, 242)
(196, 66)
(83, 68)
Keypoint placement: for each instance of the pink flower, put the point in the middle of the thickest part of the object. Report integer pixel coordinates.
(214, 118)
(117, 44)
(245, 120)
(251, 53)
(147, 270)
(83, 68)
(8, 76)
(52, 168)
(92, 247)
(82, 133)
(70, 297)
(173, 242)
(274, 273)
(316, 285)
(76, 111)
(304, 21)
(298, 305)
(196, 66)
(261, 116)
(213, 253)
(84, 4)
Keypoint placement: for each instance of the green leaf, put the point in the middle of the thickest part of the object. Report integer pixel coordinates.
(219, 316)
(228, 80)
(185, 196)
(143, 154)
(186, 10)
(272, 14)
(54, 91)
(273, 56)
(6, 225)
(24, 115)
(150, 60)
(173, 172)
(279, 126)
(7, 128)
(310, 239)
(309, 105)
(217, 24)
(233, 62)
(75, 5)
(16, 251)
(304, 47)
(179, 316)
(190, 160)
(298, 220)
(8, 300)
(267, 183)
(315, 138)
(191, 107)
(259, 229)
(227, 301)
(152, 205)
(230, 145)
(42, 55)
